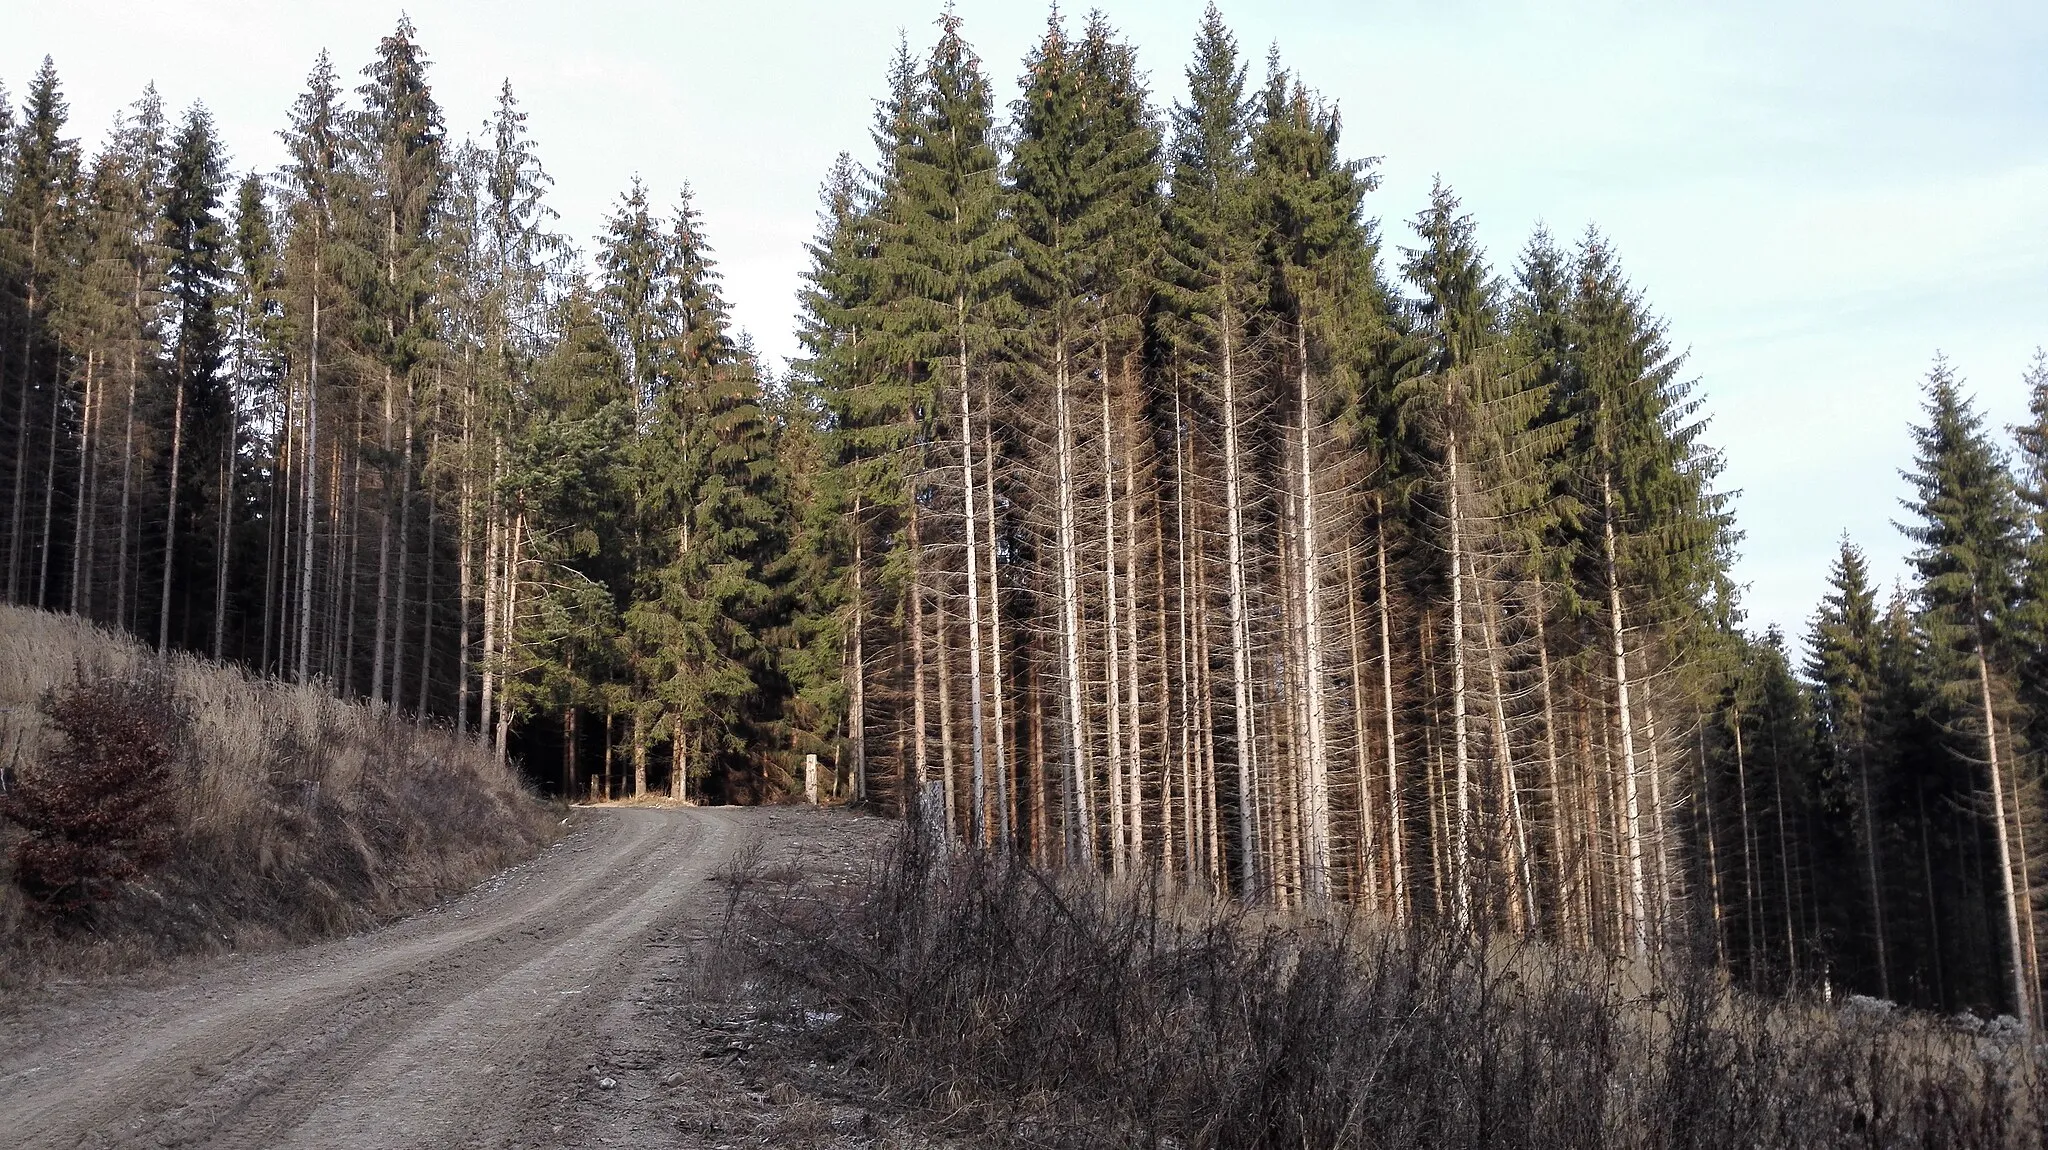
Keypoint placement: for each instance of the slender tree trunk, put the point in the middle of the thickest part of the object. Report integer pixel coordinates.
(427, 578)
(640, 752)
(995, 632)
(465, 578)
(920, 724)
(2022, 1000)
(28, 390)
(1249, 878)
(224, 551)
(1397, 866)
(1553, 776)
(50, 481)
(1119, 842)
(487, 713)
(1316, 753)
(976, 828)
(82, 518)
(384, 516)
(1134, 804)
(948, 761)
(1884, 973)
(1460, 747)
(857, 715)
(121, 565)
(163, 622)
(1749, 915)
(1192, 837)
(404, 558)
(1078, 815)
(311, 451)
(1637, 896)
(1522, 893)
(509, 637)
(1708, 835)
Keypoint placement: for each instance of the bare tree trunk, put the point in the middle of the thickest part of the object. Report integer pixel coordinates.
(377, 627)
(1397, 866)
(82, 519)
(28, 391)
(1134, 805)
(1559, 863)
(1637, 896)
(1079, 817)
(1708, 837)
(277, 538)
(1315, 754)
(1113, 676)
(508, 639)
(225, 549)
(948, 762)
(1461, 755)
(1884, 975)
(311, 451)
(122, 565)
(857, 712)
(2022, 1000)
(465, 578)
(404, 559)
(995, 633)
(1188, 681)
(50, 482)
(427, 572)
(976, 828)
(486, 715)
(1660, 904)
(163, 622)
(1523, 883)
(640, 752)
(1749, 915)
(1249, 878)
(919, 723)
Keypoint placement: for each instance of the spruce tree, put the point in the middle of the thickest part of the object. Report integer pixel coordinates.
(1966, 522)
(197, 286)
(951, 252)
(400, 138)
(1318, 256)
(40, 185)
(1843, 663)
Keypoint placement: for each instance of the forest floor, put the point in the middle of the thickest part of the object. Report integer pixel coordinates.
(579, 999)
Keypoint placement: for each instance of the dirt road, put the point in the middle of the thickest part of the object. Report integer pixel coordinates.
(495, 1020)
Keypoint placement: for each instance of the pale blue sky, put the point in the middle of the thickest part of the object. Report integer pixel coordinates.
(1818, 196)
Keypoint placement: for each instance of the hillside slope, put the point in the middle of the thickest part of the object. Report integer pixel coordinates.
(298, 815)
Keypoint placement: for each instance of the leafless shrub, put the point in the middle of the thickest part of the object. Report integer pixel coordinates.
(1016, 1007)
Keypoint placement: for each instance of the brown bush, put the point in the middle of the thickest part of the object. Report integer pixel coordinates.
(1009, 1006)
(99, 808)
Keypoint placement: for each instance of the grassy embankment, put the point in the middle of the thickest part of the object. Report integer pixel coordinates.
(297, 815)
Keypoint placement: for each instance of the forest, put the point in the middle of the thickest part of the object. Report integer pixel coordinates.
(1142, 501)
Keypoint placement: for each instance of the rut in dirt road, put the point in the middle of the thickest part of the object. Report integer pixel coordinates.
(461, 1026)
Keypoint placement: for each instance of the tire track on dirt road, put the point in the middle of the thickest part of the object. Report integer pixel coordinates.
(432, 1031)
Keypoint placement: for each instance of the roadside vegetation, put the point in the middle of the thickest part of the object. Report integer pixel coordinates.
(1004, 1005)
(164, 807)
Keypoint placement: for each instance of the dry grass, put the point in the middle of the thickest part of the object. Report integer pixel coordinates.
(299, 815)
(1011, 1007)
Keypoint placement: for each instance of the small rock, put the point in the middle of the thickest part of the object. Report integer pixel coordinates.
(607, 1084)
(672, 1078)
